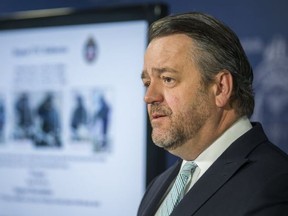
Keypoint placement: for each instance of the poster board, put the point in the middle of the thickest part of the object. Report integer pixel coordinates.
(73, 129)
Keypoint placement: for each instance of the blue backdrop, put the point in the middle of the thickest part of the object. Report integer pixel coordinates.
(262, 28)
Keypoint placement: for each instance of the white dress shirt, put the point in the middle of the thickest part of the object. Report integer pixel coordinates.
(210, 155)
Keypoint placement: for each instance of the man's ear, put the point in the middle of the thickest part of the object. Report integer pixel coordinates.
(223, 87)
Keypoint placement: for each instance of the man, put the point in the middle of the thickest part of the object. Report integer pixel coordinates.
(199, 97)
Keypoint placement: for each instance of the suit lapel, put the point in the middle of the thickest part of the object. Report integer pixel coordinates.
(159, 188)
(205, 188)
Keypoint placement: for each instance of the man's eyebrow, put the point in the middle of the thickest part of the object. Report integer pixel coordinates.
(158, 71)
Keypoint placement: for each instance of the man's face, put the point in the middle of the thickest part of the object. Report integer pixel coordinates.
(178, 105)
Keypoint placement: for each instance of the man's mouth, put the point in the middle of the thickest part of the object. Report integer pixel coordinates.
(159, 112)
(157, 115)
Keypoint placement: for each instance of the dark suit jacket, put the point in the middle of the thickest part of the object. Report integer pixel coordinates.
(249, 179)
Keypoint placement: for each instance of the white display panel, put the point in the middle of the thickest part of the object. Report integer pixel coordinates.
(72, 120)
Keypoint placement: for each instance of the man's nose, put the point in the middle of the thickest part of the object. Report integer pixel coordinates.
(153, 94)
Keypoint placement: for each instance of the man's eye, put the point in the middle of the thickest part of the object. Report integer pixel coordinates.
(168, 80)
(146, 84)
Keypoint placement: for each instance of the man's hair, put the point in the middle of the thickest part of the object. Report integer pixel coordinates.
(217, 48)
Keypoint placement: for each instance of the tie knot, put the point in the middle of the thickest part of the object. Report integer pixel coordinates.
(188, 168)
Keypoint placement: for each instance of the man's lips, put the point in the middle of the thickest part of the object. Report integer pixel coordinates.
(158, 112)
(157, 115)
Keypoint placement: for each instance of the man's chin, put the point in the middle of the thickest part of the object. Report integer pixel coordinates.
(158, 141)
(168, 146)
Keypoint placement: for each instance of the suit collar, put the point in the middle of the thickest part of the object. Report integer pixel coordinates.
(205, 188)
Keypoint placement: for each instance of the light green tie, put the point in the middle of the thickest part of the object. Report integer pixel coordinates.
(178, 189)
